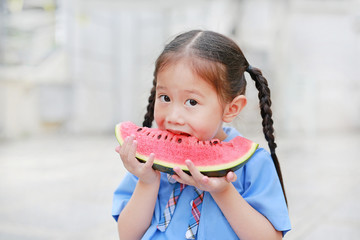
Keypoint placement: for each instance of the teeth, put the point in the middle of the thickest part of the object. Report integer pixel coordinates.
(179, 133)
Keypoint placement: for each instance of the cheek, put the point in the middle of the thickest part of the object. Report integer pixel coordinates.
(159, 117)
(203, 130)
(208, 129)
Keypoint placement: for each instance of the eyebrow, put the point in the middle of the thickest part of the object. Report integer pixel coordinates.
(160, 87)
(189, 91)
(195, 92)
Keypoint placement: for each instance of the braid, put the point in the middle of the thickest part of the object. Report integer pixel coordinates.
(149, 116)
(266, 114)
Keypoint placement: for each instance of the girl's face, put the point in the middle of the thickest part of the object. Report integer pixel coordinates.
(187, 104)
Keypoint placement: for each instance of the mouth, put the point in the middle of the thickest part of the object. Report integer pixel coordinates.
(178, 132)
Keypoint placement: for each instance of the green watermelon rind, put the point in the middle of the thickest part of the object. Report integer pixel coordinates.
(219, 170)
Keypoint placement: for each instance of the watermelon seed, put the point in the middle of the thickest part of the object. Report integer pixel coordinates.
(139, 130)
(166, 137)
(158, 137)
(179, 140)
(210, 143)
(216, 142)
(148, 134)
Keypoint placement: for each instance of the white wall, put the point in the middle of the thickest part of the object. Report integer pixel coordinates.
(113, 47)
(101, 72)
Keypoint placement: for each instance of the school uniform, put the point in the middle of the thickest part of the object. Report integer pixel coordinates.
(257, 182)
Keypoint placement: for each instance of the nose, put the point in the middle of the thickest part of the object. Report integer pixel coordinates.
(175, 116)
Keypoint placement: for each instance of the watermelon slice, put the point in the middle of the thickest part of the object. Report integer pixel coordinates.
(213, 158)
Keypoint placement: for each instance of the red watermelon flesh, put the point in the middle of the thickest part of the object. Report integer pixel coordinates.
(212, 158)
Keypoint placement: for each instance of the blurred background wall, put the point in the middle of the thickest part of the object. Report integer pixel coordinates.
(82, 66)
(71, 69)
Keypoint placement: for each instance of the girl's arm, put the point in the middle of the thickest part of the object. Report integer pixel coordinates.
(243, 218)
(136, 217)
(247, 223)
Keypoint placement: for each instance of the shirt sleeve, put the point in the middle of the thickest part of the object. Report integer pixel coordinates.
(123, 194)
(262, 190)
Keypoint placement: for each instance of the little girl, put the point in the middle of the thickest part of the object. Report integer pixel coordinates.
(198, 85)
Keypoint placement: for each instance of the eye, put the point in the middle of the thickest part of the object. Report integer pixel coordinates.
(164, 98)
(191, 102)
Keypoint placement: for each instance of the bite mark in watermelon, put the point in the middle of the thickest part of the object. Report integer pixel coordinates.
(213, 158)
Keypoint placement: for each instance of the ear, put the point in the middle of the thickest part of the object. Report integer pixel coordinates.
(233, 108)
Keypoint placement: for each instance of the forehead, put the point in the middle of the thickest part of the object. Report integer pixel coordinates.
(181, 75)
(214, 73)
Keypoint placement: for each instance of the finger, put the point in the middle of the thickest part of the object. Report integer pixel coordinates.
(183, 176)
(132, 149)
(117, 149)
(178, 179)
(150, 161)
(205, 180)
(125, 147)
(231, 177)
(127, 152)
(195, 173)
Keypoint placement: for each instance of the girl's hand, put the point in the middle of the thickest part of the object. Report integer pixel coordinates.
(200, 181)
(143, 171)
